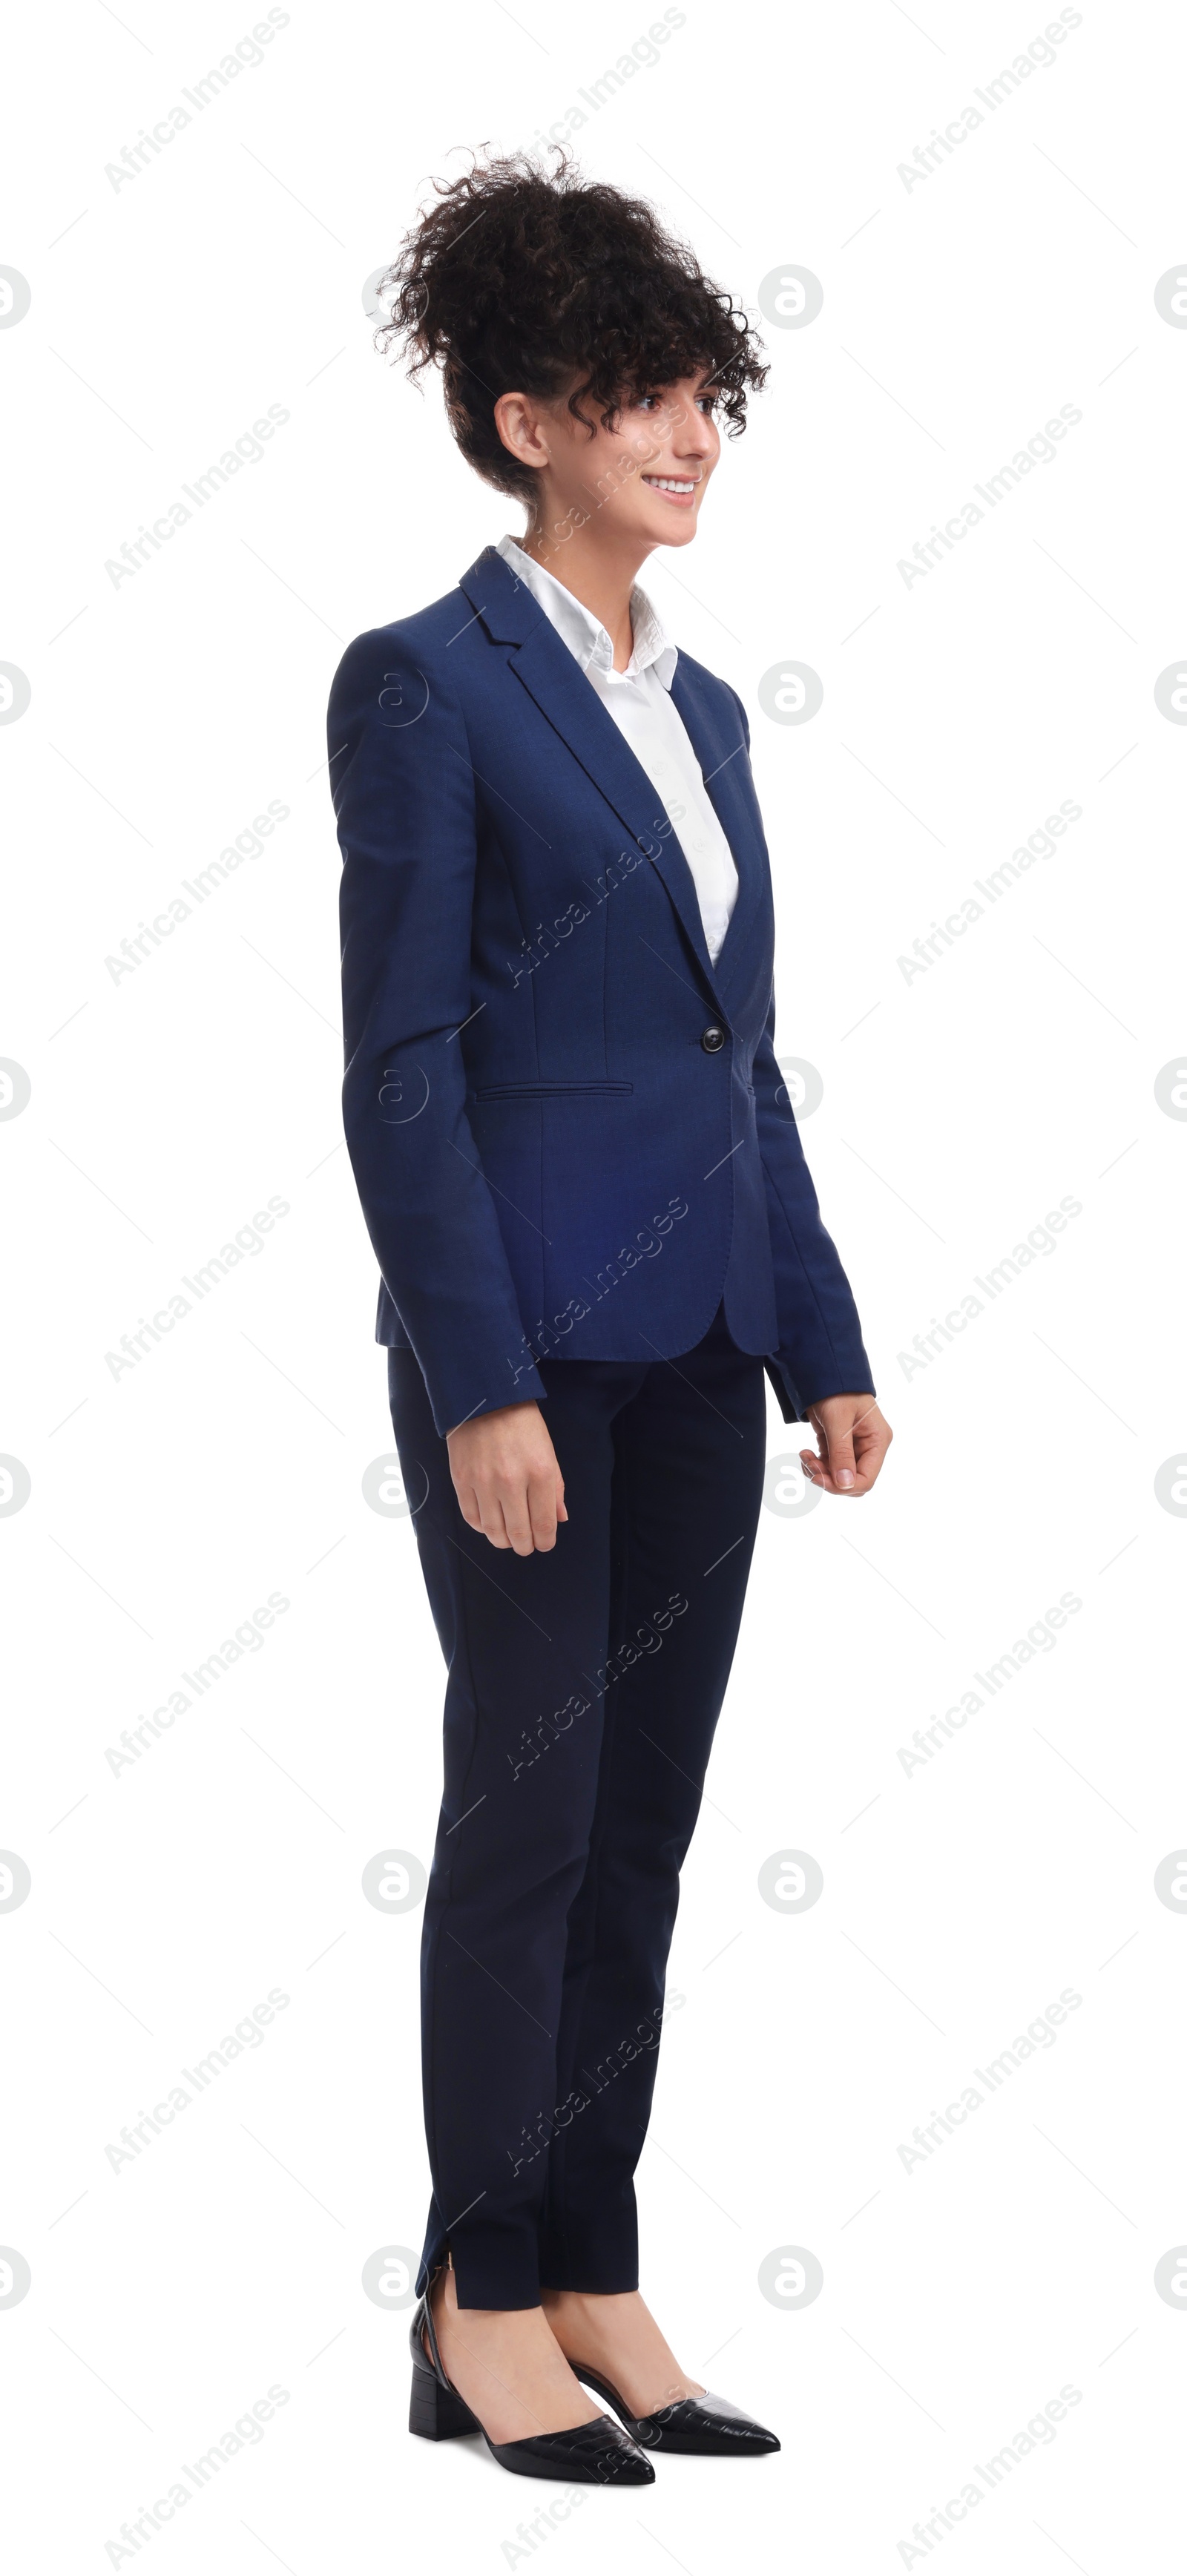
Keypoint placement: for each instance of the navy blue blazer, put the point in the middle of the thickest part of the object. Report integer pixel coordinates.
(569, 1132)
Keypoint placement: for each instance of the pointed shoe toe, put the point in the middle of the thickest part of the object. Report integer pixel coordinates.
(705, 2427)
(598, 2454)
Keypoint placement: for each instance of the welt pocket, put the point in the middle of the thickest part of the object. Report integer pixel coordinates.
(551, 1090)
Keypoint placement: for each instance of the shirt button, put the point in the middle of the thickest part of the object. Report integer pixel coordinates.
(713, 1040)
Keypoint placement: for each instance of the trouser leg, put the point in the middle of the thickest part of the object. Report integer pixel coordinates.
(523, 1726)
(687, 1487)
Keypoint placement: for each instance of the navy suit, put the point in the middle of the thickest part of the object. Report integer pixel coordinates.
(584, 1184)
(568, 1129)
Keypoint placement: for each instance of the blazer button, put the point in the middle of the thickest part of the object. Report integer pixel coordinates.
(713, 1040)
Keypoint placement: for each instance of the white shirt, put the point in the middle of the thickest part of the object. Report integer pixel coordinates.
(639, 699)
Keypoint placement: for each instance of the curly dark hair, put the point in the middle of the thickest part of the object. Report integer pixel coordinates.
(525, 280)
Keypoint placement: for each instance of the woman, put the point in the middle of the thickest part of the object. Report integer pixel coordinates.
(594, 1223)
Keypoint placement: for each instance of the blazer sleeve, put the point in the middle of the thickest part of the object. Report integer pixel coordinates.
(820, 1349)
(403, 790)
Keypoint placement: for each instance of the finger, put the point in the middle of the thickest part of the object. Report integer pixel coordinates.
(842, 1465)
(869, 1466)
(542, 1510)
(517, 1518)
(817, 1471)
(871, 1441)
(467, 1503)
(491, 1520)
(561, 1512)
(827, 1473)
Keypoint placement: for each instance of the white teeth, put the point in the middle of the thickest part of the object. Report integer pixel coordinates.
(668, 483)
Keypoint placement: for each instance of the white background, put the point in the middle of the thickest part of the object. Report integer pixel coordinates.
(960, 1898)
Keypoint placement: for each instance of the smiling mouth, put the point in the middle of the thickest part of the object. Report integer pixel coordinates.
(675, 487)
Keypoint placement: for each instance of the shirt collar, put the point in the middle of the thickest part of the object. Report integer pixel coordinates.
(584, 633)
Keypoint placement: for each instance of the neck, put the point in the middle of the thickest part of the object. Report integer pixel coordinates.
(599, 566)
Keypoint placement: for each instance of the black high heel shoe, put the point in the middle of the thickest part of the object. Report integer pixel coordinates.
(704, 2427)
(597, 2454)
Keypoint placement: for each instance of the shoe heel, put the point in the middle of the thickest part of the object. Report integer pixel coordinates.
(437, 2413)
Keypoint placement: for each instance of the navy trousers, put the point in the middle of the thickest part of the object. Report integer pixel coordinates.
(584, 1688)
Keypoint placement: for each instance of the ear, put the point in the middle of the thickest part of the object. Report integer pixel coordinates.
(518, 420)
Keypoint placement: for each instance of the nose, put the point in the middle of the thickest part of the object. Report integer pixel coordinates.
(693, 431)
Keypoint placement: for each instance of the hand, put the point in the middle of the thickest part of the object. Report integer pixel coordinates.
(854, 1438)
(506, 1478)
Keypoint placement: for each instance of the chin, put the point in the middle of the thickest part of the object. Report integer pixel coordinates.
(671, 527)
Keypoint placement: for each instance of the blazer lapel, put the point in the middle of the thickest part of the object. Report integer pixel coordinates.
(720, 748)
(556, 682)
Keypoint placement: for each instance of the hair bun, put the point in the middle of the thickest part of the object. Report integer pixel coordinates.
(518, 279)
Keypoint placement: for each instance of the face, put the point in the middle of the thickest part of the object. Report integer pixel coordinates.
(643, 479)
